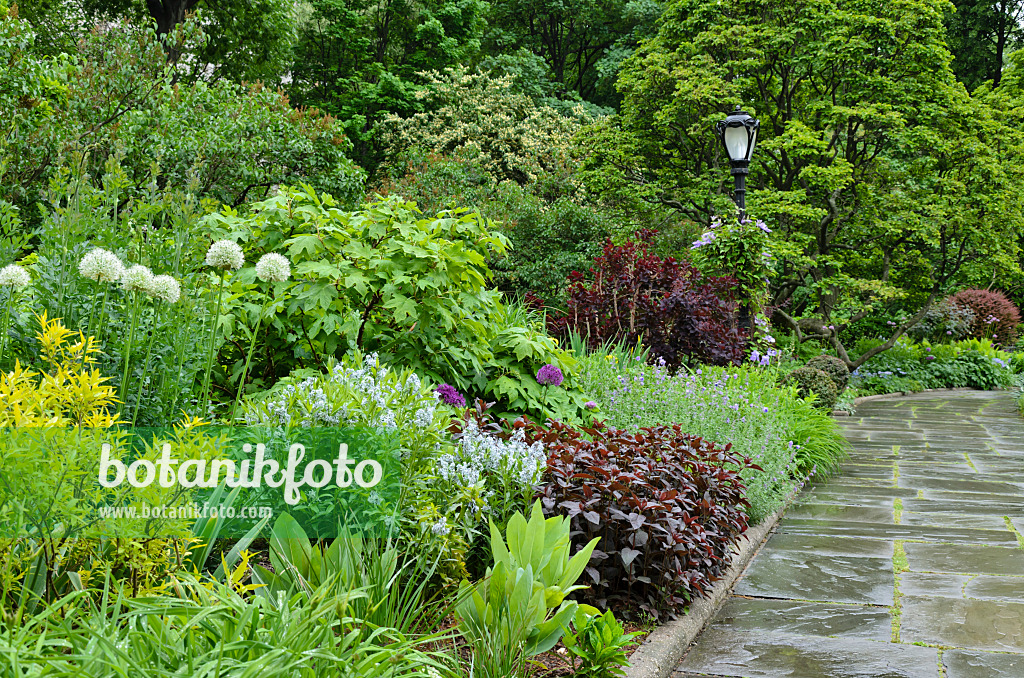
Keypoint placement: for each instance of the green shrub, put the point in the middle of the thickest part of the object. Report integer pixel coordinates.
(117, 96)
(384, 279)
(812, 381)
(835, 368)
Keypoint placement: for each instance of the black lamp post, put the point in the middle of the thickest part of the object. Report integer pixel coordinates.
(738, 133)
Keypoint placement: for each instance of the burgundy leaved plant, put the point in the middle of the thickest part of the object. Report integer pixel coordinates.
(678, 312)
(666, 506)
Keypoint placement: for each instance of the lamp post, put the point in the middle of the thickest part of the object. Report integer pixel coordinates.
(738, 133)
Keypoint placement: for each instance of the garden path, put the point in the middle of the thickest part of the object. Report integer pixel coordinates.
(907, 564)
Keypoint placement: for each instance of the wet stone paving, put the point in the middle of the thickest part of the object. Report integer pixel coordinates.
(909, 563)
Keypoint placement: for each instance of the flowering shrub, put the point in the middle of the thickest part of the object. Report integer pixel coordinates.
(479, 116)
(995, 316)
(679, 313)
(500, 470)
(359, 390)
(666, 506)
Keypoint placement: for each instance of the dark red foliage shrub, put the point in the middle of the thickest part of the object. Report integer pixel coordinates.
(666, 506)
(995, 316)
(677, 311)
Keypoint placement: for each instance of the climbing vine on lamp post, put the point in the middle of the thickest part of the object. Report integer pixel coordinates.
(739, 248)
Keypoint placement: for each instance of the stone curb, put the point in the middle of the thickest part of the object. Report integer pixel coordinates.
(898, 394)
(664, 648)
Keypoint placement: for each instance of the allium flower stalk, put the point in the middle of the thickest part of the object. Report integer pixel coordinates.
(137, 280)
(101, 265)
(223, 255)
(448, 395)
(273, 268)
(15, 278)
(549, 375)
(166, 289)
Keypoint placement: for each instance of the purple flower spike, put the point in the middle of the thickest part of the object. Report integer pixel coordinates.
(449, 395)
(549, 375)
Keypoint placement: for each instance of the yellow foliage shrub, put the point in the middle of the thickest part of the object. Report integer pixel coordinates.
(69, 392)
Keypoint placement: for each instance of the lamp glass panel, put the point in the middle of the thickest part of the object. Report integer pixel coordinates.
(753, 142)
(736, 143)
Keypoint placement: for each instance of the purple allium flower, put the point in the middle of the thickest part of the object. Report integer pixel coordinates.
(590, 405)
(449, 395)
(549, 375)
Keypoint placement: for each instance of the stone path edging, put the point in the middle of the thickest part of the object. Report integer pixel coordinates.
(662, 650)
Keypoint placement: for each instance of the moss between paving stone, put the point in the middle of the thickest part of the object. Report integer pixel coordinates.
(1016, 532)
(900, 564)
(897, 510)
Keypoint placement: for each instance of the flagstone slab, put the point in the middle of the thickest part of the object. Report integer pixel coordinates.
(973, 664)
(950, 519)
(979, 587)
(806, 618)
(951, 535)
(966, 623)
(825, 578)
(725, 652)
(967, 485)
(785, 543)
(963, 558)
(858, 514)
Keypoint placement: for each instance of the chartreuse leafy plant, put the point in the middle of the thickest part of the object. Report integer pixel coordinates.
(519, 609)
(598, 643)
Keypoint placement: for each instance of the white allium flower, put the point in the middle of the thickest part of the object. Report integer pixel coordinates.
(225, 254)
(165, 288)
(273, 268)
(101, 265)
(14, 276)
(138, 278)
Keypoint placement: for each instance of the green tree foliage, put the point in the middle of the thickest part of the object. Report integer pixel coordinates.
(356, 59)
(582, 42)
(248, 40)
(117, 97)
(879, 175)
(981, 34)
(553, 230)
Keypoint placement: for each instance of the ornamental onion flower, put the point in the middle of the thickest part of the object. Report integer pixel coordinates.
(165, 288)
(138, 278)
(101, 265)
(549, 375)
(225, 254)
(273, 268)
(14, 276)
(447, 394)
(590, 405)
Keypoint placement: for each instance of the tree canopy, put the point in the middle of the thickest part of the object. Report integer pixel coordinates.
(881, 177)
